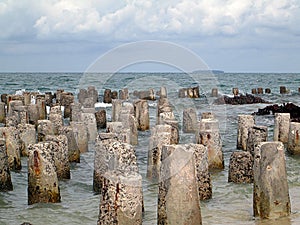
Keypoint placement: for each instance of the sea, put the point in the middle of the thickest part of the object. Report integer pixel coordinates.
(231, 203)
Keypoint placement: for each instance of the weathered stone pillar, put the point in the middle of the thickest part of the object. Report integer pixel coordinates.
(283, 90)
(75, 112)
(56, 118)
(207, 115)
(282, 127)
(42, 177)
(293, 146)
(111, 154)
(163, 92)
(208, 134)
(270, 190)
(107, 96)
(130, 122)
(244, 123)
(254, 91)
(2, 112)
(27, 134)
(12, 141)
(240, 167)
(160, 135)
(118, 128)
(93, 94)
(73, 150)
(101, 118)
(256, 134)
(141, 112)
(33, 114)
(40, 102)
(178, 199)
(124, 94)
(89, 120)
(163, 106)
(174, 130)
(67, 99)
(214, 92)
(49, 98)
(201, 170)
(268, 91)
(60, 155)
(45, 127)
(235, 91)
(122, 199)
(81, 135)
(260, 91)
(116, 109)
(5, 178)
(82, 95)
(189, 121)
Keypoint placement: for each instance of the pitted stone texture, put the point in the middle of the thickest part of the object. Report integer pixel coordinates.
(27, 134)
(281, 127)
(256, 134)
(40, 102)
(73, 150)
(12, 141)
(76, 112)
(160, 135)
(45, 127)
(130, 123)
(121, 200)
(209, 136)
(118, 128)
(174, 130)
(5, 178)
(101, 119)
(111, 154)
(2, 112)
(89, 120)
(189, 121)
(241, 167)
(66, 99)
(178, 199)
(42, 177)
(57, 121)
(293, 146)
(81, 135)
(244, 123)
(164, 107)
(116, 109)
(124, 94)
(60, 155)
(33, 114)
(270, 190)
(141, 112)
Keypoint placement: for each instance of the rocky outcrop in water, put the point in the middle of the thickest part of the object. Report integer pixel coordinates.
(240, 100)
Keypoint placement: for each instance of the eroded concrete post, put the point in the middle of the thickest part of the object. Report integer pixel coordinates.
(244, 123)
(270, 190)
(2, 112)
(130, 122)
(12, 141)
(141, 112)
(208, 135)
(189, 120)
(116, 109)
(45, 127)
(122, 199)
(119, 129)
(174, 130)
(241, 167)
(293, 146)
(27, 134)
(214, 92)
(33, 114)
(107, 96)
(164, 107)
(81, 135)
(111, 154)
(56, 118)
(256, 134)
(60, 155)
(67, 99)
(41, 104)
(160, 135)
(42, 177)
(281, 127)
(178, 199)
(124, 94)
(101, 118)
(73, 150)
(76, 112)
(89, 120)
(5, 178)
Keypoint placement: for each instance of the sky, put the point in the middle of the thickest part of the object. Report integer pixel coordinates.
(70, 35)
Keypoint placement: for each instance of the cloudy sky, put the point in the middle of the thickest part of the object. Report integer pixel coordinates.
(229, 35)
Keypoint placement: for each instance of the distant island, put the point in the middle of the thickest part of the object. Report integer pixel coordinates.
(209, 71)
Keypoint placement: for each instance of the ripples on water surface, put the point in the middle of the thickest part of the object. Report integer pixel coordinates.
(231, 203)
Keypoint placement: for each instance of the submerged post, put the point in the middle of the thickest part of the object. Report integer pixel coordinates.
(282, 127)
(256, 134)
(270, 190)
(244, 123)
(293, 146)
(5, 178)
(189, 120)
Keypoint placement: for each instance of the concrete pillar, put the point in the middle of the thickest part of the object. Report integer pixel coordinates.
(12, 141)
(89, 120)
(101, 118)
(178, 199)
(268, 91)
(81, 135)
(189, 121)
(163, 92)
(201, 170)
(5, 178)
(281, 127)
(42, 177)
(293, 146)
(121, 132)
(2, 112)
(93, 93)
(114, 95)
(214, 92)
(124, 94)
(141, 112)
(122, 199)
(116, 109)
(58, 94)
(235, 91)
(60, 155)
(41, 104)
(4, 98)
(73, 150)
(56, 118)
(67, 99)
(27, 134)
(111, 154)
(283, 90)
(260, 90)
(244, 123)
(270, 190)
(174, 130)
(107, 96)
(160, 135)
(163, 106)
(207, 115)
(254, 91)
(208, 135)
(256, 134)
(82, 95)
(127, 107)
(75, 112)
(45, 127)
(48, 98)
(33, 114)
(130, 122)
(240, 167)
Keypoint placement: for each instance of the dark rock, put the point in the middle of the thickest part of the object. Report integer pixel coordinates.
(240, 100)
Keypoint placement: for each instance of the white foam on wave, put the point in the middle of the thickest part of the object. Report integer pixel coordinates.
(102, 105)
